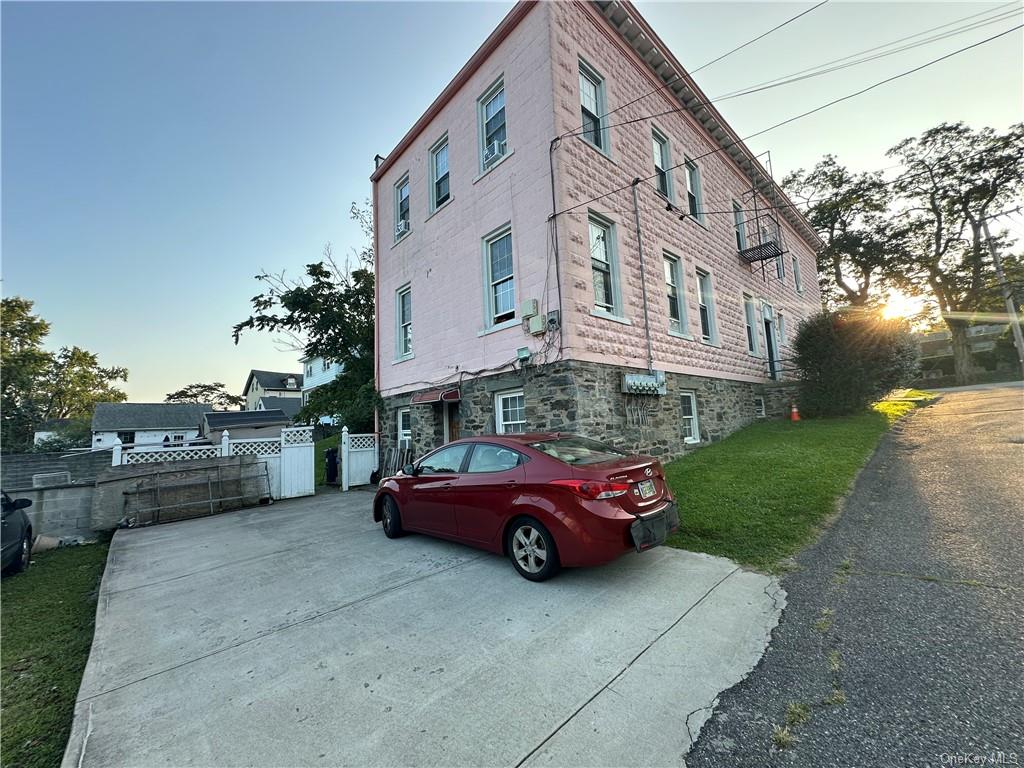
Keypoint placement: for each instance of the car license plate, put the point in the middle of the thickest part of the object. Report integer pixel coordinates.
(646, 488)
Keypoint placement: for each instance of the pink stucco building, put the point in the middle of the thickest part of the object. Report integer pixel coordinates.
(524, 282)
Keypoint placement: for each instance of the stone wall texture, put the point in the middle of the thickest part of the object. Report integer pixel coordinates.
(586, 398)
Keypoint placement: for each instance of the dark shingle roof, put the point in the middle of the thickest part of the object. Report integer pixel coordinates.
(273, 379)
(290, 405)
(229, 420)
(112, 417)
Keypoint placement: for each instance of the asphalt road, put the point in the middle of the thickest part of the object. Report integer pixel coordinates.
(911, 605)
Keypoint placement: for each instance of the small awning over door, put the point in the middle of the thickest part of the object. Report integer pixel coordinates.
(437, 396)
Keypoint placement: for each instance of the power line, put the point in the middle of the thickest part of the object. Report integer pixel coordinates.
(759, 37)
(817, 71)
(802, 115)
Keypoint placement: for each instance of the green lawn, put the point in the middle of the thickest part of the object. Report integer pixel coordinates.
(759, 495)
(46, 618)
(320, 457)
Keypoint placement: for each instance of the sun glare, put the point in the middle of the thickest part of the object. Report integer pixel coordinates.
(900, 305)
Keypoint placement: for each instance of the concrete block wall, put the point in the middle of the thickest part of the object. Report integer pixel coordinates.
(16, 470)
(64, 510)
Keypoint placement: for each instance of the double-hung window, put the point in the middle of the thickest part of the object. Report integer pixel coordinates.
(404, 419)
(706, 302)
(780, 267)
(662, 163)
(501, 282)
(592, 107)
(403, 300)
(402, 222)
(750, 316)
(739, 223)
(688, 420)
(603, 265)
(676, 298)
(439, 189)
(798, 281)
(510, 412)
(492, 126)
(694, 198)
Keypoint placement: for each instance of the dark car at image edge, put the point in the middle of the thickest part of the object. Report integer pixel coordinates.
(546, 500)
(16, 534)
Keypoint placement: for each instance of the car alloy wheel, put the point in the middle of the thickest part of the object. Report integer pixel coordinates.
(391, 518)
(529, 549)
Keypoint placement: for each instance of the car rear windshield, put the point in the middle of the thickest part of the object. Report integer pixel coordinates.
(577, 450)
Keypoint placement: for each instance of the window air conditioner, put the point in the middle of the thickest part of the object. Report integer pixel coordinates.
(494, 150)
(401, 228)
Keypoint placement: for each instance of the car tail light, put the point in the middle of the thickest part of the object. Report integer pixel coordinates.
(594, 489)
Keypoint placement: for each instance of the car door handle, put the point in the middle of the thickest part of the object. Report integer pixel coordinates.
(511, 483)
(446, 486)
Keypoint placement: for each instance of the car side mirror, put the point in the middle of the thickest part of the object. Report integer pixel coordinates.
(22, 503)
(410, 470)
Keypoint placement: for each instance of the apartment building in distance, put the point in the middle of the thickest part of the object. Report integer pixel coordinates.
(514, 293)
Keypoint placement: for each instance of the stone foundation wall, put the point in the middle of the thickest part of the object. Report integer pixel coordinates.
(575, 396)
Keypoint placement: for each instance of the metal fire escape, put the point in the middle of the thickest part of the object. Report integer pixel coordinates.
(762, 234)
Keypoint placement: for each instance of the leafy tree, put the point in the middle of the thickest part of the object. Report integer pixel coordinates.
(954, 180)
(849, 358)
(76, 433)
(847, 211)
(215, 394)
(329, 313)
(38, 385)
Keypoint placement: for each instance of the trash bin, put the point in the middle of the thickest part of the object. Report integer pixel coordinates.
(332, 466)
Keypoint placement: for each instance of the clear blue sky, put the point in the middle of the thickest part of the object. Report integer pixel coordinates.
(157, 155)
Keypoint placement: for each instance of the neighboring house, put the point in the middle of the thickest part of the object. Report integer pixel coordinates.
(936, 350)
(149, 426)
(243, 425)
(317, 372)
(49, 429)
(494, 316)
(270, 384)
(289, 405)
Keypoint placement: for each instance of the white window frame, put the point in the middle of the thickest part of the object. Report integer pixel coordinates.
(665, 150)
(612, 261)
(441, 144)
(675, 267)
(739, 223)
(496, 87)
(694, 437)
(798, 280)
(403, 434)
(694, 188)
(708, 303)
(589, 73)
(780, 268)
(490, 320)
(759, 407)
(750, 321)
(402, 182)
(500, 425)
(401, 353)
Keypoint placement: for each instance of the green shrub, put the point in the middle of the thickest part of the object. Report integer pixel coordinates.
(848, 359)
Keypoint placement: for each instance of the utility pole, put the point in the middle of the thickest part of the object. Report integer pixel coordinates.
(1011, 311)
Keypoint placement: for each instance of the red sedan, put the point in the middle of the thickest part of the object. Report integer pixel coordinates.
(545, 500)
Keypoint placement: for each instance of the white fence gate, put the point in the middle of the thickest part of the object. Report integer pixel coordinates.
(358, 458)
(289, 458)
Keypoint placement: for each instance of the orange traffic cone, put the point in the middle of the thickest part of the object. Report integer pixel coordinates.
(794, 413)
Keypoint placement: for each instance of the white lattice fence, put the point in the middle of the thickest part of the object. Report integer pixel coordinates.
(358, 458)
(297, 435)
(172, 454)
(255, 447)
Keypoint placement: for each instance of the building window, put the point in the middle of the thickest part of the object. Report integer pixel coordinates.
(510, 412)
(404, 420)
(493, 138)
(592, 107)
(759, 410)
(677, 321)
(309, 369)
(178, 439)
(402, 208)
(780, 267)
(750, 314)
(798, 281)
(439, 190)
(662, 163)
(604, 265)
(501, 283)
(305, 399)
(404, 321)
(325, 364)
(694, 198)
(126, 437)
(706, 302)
(739, 223)
(690, 427)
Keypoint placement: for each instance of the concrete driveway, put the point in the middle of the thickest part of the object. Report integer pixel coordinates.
(298, 634)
